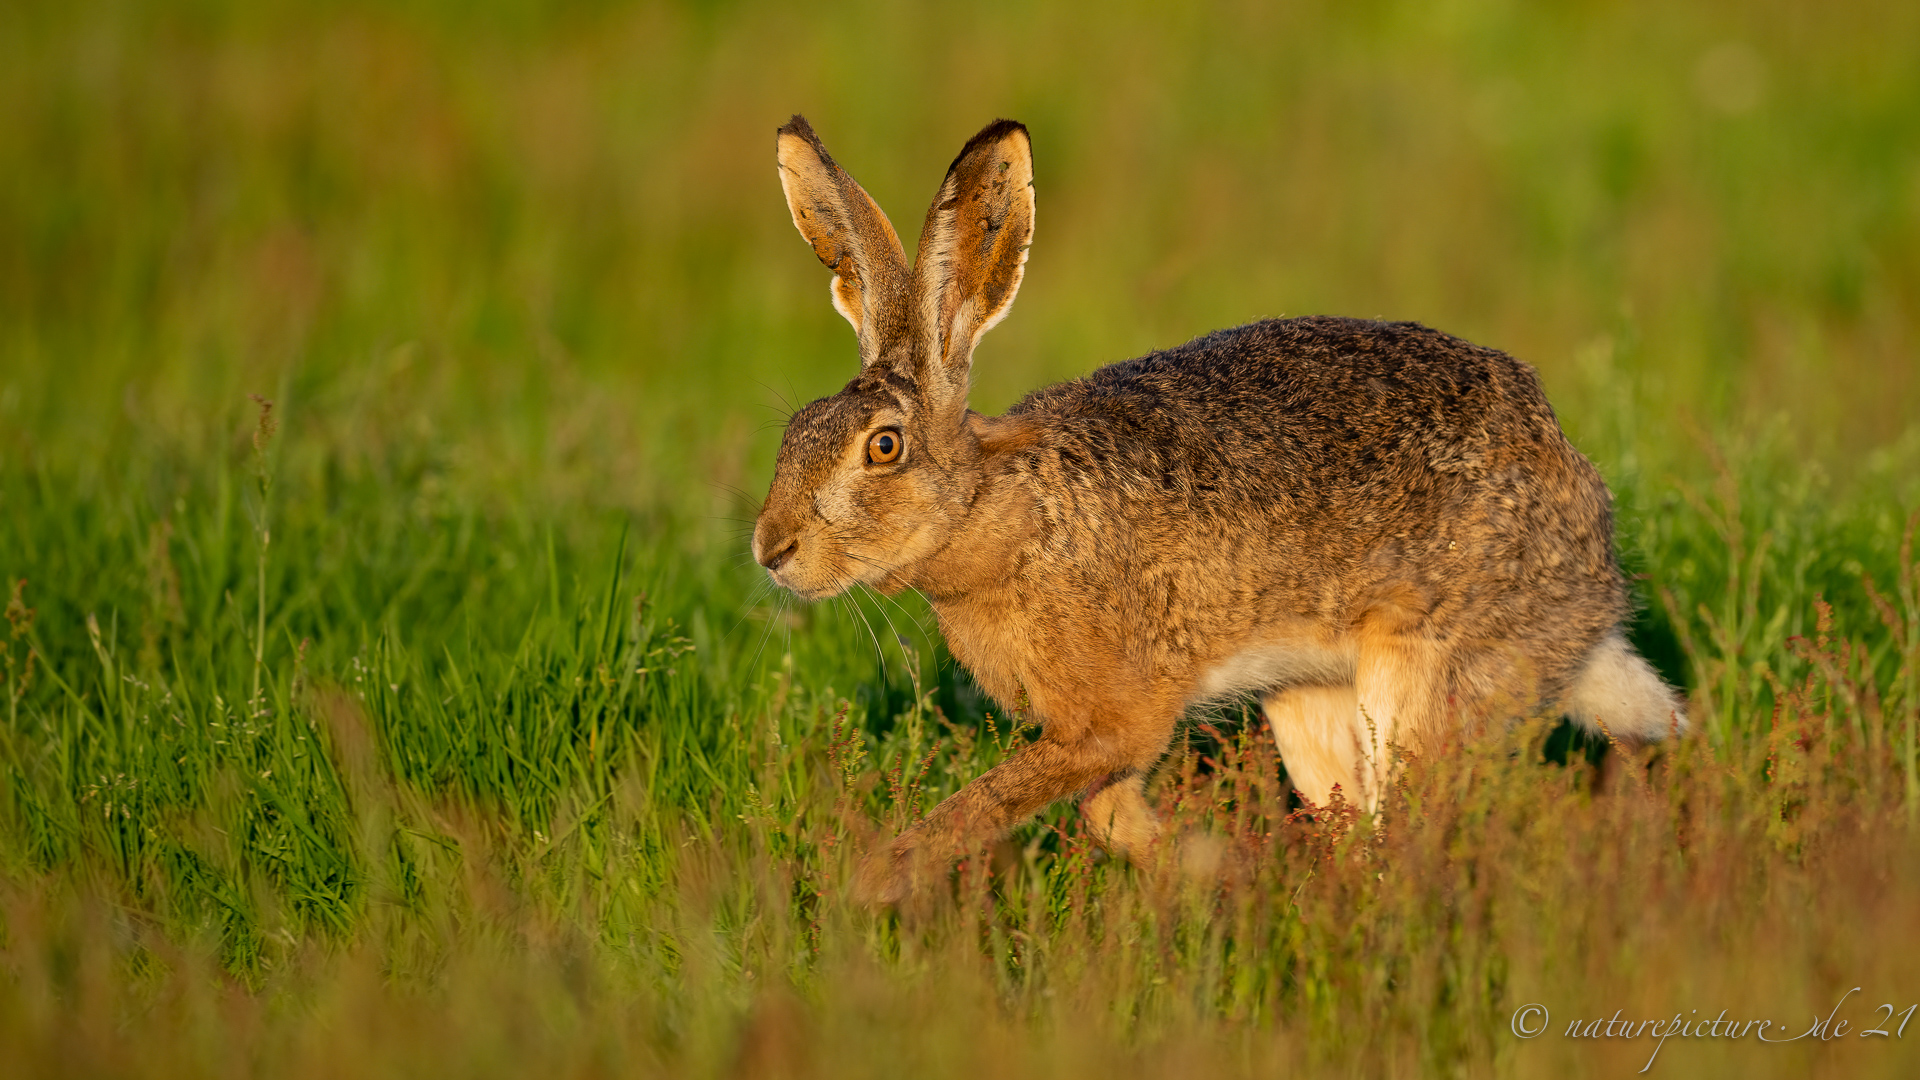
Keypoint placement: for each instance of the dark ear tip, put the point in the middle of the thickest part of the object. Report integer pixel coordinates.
(798, 125)
(799, 128)
(989, 135)
(995, 132)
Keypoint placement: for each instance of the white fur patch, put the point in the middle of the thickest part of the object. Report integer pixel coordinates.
(1619, 689)
(1270, 667)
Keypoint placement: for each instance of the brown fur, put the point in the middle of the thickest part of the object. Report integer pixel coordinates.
(1377, 528)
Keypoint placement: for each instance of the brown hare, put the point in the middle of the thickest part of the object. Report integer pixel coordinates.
(1376, 528)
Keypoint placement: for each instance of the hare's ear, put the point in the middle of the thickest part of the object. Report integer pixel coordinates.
(850, 235)
(972, 253)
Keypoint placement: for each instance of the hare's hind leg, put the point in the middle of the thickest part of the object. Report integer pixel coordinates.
(1408, 691)
(1320, 739)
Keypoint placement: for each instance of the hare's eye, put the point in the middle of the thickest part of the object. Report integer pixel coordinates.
(884, 447)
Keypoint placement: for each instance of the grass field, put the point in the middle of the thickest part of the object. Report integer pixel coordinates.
(432, 719)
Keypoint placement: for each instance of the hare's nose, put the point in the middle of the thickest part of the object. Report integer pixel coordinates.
(774, 560)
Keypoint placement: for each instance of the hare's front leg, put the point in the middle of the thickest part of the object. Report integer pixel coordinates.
(1067, 758)
(1119, 817)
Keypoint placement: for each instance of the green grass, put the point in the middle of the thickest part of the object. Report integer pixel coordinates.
(442, 724)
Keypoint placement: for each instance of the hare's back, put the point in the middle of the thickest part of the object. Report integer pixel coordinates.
(1329, 456)
(1323, 405)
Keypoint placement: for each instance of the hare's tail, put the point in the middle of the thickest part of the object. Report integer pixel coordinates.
(1618, 690)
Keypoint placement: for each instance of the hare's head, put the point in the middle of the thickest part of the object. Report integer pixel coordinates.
(876, 478)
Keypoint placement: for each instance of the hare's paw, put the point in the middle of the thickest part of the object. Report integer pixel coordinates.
(885, 877)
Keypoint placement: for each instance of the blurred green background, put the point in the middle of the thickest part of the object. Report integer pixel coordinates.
(543, 244)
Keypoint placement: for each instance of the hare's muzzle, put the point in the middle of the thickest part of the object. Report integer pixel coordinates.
(775, 545)
(774, 560)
